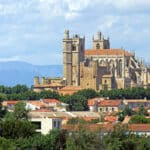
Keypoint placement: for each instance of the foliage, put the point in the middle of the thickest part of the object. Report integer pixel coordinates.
(13, 129)
(3, 97)
(139, 119)
(83, 139)
(82, 121)
(20, 111)
(55, 140)
(126, 112)
(6, 144)
(142, 111)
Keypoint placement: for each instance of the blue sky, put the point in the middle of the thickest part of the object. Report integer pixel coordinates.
(32, 30)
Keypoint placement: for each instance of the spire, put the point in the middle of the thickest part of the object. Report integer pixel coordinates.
(66, 34)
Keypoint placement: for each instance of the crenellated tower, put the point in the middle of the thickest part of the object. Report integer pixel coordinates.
(73, 54)
(100, 42)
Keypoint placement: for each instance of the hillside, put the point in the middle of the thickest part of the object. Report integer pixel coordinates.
(16, 72)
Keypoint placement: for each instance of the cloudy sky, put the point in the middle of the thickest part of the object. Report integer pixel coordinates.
(32, 30)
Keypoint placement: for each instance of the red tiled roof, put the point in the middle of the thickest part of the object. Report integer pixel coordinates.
(139, 127)
(111, 118)
(51, 101)
(93, 101)
(105, 103)
(109, 127)
(38, 103)
(10, 102)
(69, 90)
(108, 52)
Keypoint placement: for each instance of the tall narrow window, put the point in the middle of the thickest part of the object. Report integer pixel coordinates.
(97, 46)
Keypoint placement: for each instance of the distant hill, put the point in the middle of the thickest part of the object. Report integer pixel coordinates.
(17, 72)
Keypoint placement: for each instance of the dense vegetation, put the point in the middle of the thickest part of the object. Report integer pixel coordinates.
(16, 132)
(77, 101)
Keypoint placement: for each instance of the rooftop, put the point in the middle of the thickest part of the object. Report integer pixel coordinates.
(114, 103)
(119, 52)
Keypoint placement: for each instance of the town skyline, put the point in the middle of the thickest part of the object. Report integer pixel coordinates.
(32, 31)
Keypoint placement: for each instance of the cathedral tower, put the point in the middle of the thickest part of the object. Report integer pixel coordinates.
(100, 42)
(73, 54)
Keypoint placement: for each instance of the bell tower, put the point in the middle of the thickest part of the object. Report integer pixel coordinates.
(101, 42)
(73, 54)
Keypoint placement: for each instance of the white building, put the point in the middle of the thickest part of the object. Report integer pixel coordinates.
(45, 124)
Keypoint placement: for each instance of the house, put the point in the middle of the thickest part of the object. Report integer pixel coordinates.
(135, 103)
(45, 124)
(56, 104)
(110, 106)
(93, 104)
(138, 129)
(65, 116)
(33, 105)
(9, 104)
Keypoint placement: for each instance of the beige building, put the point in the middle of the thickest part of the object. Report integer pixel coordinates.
(101, 67)
(43, 83)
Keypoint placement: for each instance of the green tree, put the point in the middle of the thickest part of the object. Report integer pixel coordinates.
(139, 119)
(13, 129)
(20, 111)
(142, 111)
(6, 144)
(3, 97)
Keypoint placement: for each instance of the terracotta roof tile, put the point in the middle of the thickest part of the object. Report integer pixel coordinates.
(139, 127)
(51, 101)
(108, 52)
(111, 118)
(105, 103)
(69, 90)
(38, 103)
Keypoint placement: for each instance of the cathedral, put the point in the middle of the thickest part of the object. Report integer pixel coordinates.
(102, 67)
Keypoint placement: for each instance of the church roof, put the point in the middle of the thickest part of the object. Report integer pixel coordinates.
(108, 52)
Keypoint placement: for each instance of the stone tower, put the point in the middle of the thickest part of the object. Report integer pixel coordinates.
(73, 54)
(100, 42)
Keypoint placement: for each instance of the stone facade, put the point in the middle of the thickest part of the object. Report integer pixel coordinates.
(101, 67)
(73, 54)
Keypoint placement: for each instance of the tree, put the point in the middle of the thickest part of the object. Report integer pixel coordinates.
(142, 111)
(3, 97)
(84, 139)
(20, 111)
(139, 119)
(6, 144)
(13, 129)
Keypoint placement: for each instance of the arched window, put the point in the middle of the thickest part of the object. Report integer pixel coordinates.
(97, 46)
(73, 48)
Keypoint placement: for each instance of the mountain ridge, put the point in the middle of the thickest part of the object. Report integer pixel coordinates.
(19, 72)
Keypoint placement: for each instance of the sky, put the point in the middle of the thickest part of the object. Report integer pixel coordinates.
(32, 30)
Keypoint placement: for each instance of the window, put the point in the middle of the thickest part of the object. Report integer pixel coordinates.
(112, 109)
(58, 124)
(54, 124)
(37, 124)
(73, 48)
(97, 46)
(100, 109)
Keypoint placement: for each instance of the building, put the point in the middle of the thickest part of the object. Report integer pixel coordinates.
(136, 103)
(52, 84)
(102, 67)
(110, 106)
(44, 124)
(65, 116)
(69, 90)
